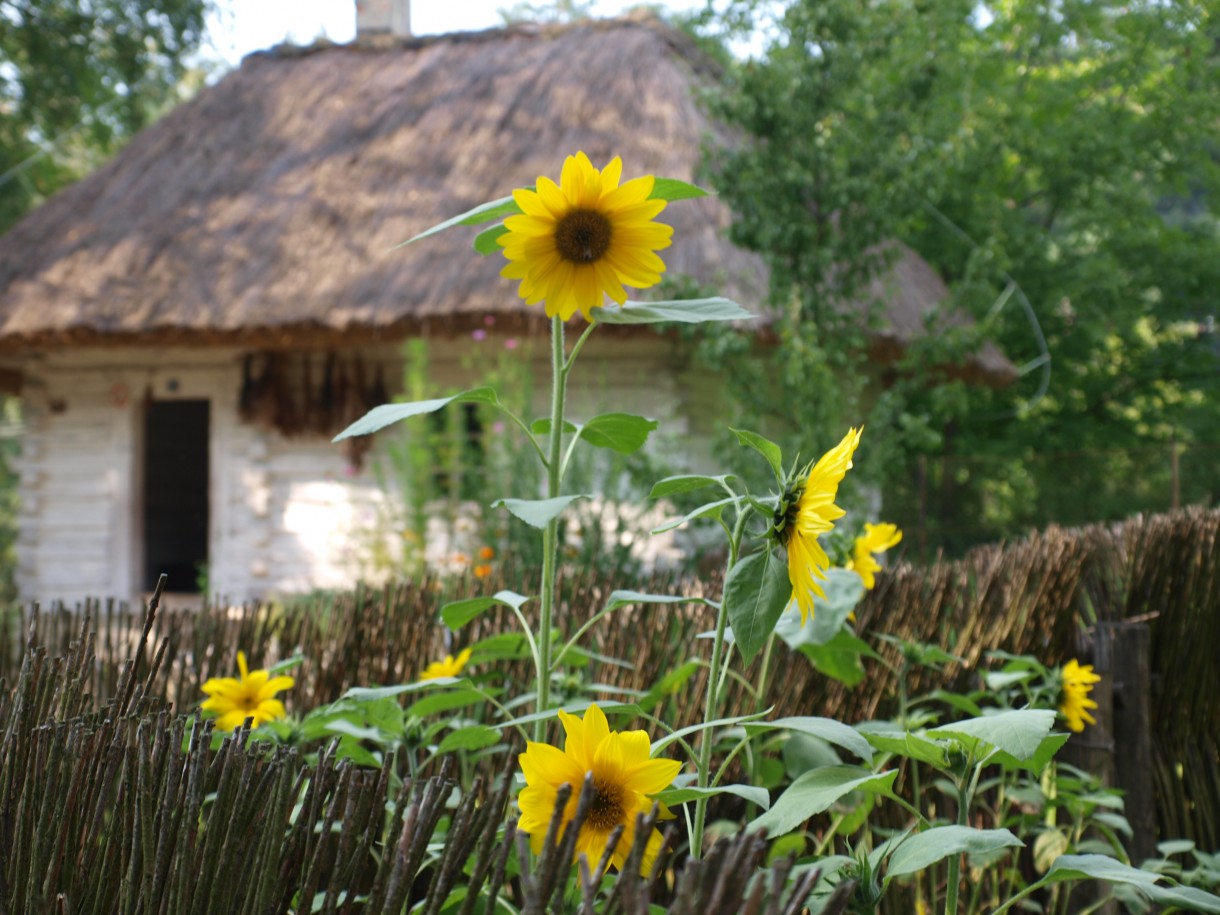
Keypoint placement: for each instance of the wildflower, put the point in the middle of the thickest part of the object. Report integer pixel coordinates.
(877, 538)
(449, 667)
(624, 777)
(479, 334)
(487, 554)
(806, 512)
(252, 695)
(582, 239)
(482, 571)
(1074, 703)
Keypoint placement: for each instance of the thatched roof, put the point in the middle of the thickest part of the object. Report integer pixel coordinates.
(264, 211)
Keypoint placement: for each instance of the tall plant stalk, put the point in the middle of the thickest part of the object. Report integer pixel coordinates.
(550, 534)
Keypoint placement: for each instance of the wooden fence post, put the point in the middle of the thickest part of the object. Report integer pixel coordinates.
(1129, 653)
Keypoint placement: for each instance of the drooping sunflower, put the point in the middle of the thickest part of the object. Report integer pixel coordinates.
(877, 538)
(1076, 682)
(808, 511)
(585, 238)
(624, 778)
(448, 667)
(251, 695)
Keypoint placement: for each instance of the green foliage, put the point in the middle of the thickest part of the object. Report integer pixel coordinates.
(79, 80)
(1053, 163)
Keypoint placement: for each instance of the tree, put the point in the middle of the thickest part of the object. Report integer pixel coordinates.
(77, 79)
(1061, 153)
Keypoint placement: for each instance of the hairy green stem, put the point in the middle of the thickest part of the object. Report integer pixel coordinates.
(964, 795)
(550, 534)
(713, 691)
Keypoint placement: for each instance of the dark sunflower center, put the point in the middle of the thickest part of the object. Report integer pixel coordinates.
(582, 236)
(607, 810)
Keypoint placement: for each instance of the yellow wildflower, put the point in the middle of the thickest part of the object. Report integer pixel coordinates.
(585, 238)
(252, 695)
(1074, 703)
(624, 778)
(449, 667)
(810, 512)
(877, 538)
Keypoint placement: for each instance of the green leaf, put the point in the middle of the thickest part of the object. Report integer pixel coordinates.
(286, 665)
(681, 311)
(390, 413)
(755, 594)
(669, 684)
(543, 426)
(839, 658)
(672, 486)
(373, 693)
(921, 851)
(621, 432)
(1050, 745)
(485, 242)
(767, 448)
(1187, 898)
(484, 212)
(445, 702)
(537, 512)
(709, 509)
(458, 613)
(827, 729)
(887, 738)
(755, 795)
(659, 744)
(1018, 733)
(624, 598)
(507, 646)
(815, 791)
(351, 729)
(473, 737)
(672, 189)
(1097, 867)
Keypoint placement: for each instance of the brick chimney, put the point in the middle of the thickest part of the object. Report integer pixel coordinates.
(383, 17)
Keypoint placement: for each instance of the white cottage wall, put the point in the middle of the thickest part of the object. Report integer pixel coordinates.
(286, 515)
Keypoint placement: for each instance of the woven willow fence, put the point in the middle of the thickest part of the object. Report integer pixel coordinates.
(82, 733)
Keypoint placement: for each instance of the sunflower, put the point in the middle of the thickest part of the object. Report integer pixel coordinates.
(1076, 682)
(252, 695)
(449, 667)
(877, 538)
(808, 511)
(624, 778)
(585, 238)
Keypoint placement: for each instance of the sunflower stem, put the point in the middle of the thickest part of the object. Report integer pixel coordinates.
(713, 692)
(550, 534)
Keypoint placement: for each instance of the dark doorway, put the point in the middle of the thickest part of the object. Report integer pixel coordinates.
(176, 493)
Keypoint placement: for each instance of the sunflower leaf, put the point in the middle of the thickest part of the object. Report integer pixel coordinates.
(759, 797)
(484, 212)
(710, 509)
(389, 413)
(672, 486)
(919, 852)
(537, 512)
(1019, 733)
(681, 311)
(815, 791)
(767, 448)
(473, 737)
(625, 433)
(755, 593)
(485, 242)
(457, 614)
(672, 189)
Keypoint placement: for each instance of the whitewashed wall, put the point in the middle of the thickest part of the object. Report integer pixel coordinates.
(286, 515)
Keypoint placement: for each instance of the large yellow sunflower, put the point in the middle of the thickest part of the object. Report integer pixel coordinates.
(1074, 703)
(812, 514)
(449, 667)
(585, 238)
(624, 777)
(877, 538)
(252, 695)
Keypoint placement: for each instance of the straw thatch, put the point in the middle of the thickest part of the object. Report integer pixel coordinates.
(264, 211)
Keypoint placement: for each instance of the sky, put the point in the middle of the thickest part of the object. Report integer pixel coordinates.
(238, 27)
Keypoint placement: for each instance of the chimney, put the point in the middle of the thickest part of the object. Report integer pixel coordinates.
(383, 17)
